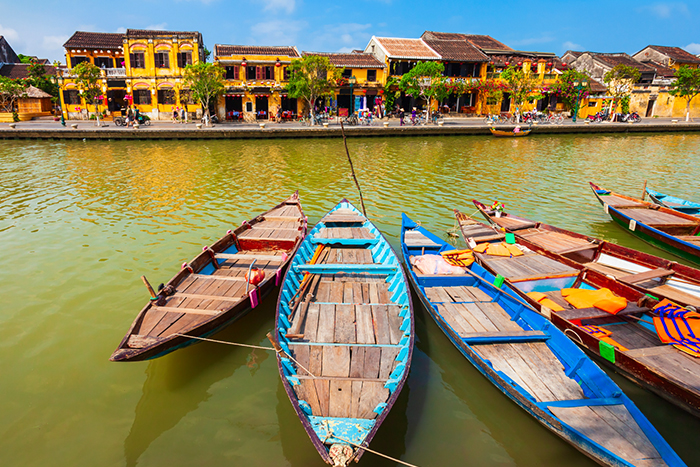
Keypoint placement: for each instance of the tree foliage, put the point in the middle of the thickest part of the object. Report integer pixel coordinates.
(620, 81)
(206, 83)
(88, 79)
(10, 91)
(566, 90)
(686, 86)
(391, 92)
(40, 79)
(521, 86)
(425, 80)
(312, 77)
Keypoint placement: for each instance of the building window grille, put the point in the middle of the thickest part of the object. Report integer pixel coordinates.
(371, 76)
(75, 60)
(104, 62)
(142, 97)
(347, 73)
(184, 59)
(71, 97)
(166, 96)
(137, 60)
(162, 60)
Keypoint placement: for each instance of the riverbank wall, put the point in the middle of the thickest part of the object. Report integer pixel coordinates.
(252, 132)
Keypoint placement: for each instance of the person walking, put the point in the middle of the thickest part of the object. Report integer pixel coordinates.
(137, 115)
(129, 116)
(183, 115)
(401, 116)
(413, 116)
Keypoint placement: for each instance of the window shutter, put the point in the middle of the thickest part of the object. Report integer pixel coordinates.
(258, 72)
(179, 60)
(235, 71)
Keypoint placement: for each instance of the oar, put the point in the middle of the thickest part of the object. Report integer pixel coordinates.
(148, 286)
(313, 260)
(644, 190)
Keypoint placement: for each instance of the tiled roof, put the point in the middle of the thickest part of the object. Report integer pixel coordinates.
(614, 59)
(457, 50)
(574, 53)
(413, 49)
(139, 33)
(676, 53)
(351, 60)
(21, 70)
(229, 50)
(597, 87)
(486, 42)
(661, 70)
(94, 40)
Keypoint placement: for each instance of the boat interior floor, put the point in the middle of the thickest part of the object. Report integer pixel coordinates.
(351, 334)
(478, 231)
(557, 242)
(529, 266)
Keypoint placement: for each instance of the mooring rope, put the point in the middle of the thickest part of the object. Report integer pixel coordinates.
(365, 448)
(238, 344)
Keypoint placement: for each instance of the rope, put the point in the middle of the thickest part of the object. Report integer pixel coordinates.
(365, 448)
(567, 330)
(237, 344)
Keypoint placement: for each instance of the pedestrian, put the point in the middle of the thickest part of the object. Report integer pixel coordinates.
(413, 116)
(401, 116)
(279, 114)
(137, 115)
(129, 116)
(175, 114)
(183, 115)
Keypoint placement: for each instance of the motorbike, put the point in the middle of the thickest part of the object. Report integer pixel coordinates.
(144, 120)
(629, 118)
(599, 116)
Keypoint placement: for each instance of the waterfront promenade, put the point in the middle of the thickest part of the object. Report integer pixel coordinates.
(44, 129)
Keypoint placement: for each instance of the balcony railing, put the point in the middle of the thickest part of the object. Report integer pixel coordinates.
(115, 72)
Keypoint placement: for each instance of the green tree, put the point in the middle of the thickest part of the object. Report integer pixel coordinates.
(521, 86)
(88, 79)
(10, 91)
(312, 77)
(565, 87)
(620, 81)
(687, 86)
(206, 83)
(425, 80)
(391, 93)
(491, 91)
(40, 79)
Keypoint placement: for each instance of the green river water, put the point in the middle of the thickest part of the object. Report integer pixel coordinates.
(81, 221)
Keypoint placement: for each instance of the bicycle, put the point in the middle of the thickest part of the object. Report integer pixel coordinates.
(492, 119)
(351, 120)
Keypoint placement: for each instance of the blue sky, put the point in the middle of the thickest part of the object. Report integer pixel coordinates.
(40, 27)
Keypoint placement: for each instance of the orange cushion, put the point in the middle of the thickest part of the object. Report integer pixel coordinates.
(480, 248)
(602, 299)
(514, 250)
(498, 249)
(542, 299)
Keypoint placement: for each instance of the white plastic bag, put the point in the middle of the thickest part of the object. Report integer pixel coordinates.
(434, 264)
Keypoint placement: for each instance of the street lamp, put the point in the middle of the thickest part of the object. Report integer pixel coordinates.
(352, 80)
(578, 87)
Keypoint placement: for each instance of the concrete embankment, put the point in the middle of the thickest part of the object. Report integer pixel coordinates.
(227, 131)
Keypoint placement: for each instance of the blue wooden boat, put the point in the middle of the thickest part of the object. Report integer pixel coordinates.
(532, 362)
(678, 204)
(345, 326)
(665, 228)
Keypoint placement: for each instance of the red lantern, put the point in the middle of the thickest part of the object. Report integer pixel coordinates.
(278, 64)
(563, 64)
(256, 276)
(549, 64)
(507, 63)
(520, 63)
(243, 63)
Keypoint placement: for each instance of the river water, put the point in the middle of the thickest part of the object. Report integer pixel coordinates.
(81, 221)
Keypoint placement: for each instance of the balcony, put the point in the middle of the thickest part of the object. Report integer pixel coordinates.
(115, 72)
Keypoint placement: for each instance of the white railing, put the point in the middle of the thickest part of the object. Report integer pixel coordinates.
(115, 72)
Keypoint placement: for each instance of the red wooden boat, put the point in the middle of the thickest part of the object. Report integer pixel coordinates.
(213, 290)
(650, 274)
(624, 340)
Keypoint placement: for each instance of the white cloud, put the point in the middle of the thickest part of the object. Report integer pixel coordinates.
(568, 45)
(341, 37)
(693, 48)
(54, 44)
(279, 5)
(9, 33)
(533, 40)
(276, 32)
(665, 10)
(121, 30)
(156, 27)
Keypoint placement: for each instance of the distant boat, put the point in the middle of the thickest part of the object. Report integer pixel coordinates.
(511, 133)
(212, 290)
(531, 361)
(345, 316)
(677, 204)
(664, 228)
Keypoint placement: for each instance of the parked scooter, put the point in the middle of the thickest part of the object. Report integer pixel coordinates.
(628, 118)
(599, 116)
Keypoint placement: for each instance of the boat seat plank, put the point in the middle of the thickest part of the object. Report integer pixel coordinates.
(675, 294)
(512, 223)
(344, 232)
(542, 359)
(632, 335)
(474, 313)
(381, 324)
(498, 316)
(606, 270)
(372, 393)
(149, 321)
(336, 361)
(657, 273)
(364, 326)
(594, 313)
(340, 403)
(196, 311)
(653, 217)
(387, 362)
(456, 321)
(209, 297)
(236, 256)
(619, 202)
(676, 365)
(370, 369)
(609, 431)
(528, 266)
(483, 338)
(139, 342)
(326, 324)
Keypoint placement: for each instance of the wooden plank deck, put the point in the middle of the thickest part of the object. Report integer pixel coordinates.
(619, 202)
(653, 217)
(555, 241)
(530, 265)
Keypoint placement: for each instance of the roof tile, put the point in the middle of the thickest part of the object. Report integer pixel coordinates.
(351, 60)
(676, 53)
(414, 49)
(94, 40)
(228, 50)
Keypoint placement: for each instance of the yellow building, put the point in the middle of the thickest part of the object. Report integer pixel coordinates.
(255, 78)
(148, 75)
(361, 85)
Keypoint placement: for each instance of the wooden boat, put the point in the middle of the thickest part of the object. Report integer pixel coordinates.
(664, 228)
(677, 204)
(626, 341)
(345, 317)
(511, 133)
(650, 274)
(211, 291)
(532, 362)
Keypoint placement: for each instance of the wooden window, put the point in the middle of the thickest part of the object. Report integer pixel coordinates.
(184, 59)
(268, 72)
(371, 75)
(347, 73)
(71, 97)
(75, 60)
(285, 73)
(232, 72)
(251, 72)
(162, 60)
(258, 72)
(166, 96)
(137, 60)
(142, 97)
(104, 62)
